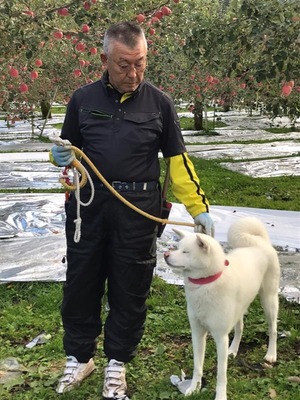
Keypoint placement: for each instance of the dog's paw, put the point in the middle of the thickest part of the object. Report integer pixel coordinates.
(270, 358)
(194, 387)
(232, 352)
(189, 392)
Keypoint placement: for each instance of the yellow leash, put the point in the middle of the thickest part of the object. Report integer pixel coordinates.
(79, 167)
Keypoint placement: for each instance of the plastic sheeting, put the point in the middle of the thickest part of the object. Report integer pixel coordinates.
(33, 241)
(32, 226)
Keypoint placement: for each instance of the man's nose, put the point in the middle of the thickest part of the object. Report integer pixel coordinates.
(132, 71)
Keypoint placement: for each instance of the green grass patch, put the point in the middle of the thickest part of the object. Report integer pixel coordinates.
(58, 110)
(27, 309)
(187, 124)
(57, 126)
(244, 142)
(282, 130)
(229, 188)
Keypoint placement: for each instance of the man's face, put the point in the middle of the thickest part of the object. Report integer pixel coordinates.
(125, 65)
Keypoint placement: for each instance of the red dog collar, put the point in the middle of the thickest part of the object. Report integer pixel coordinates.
(208, 279)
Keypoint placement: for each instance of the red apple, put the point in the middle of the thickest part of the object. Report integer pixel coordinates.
(166, 10)
(154, 20)
(58, 35)
(85, 28)
(80, 46)
(209, 79)
(82, 63)
(77, 72)
(140, 18)
(158, 14)
(38, 63)
(152, 31)
(14, 73)
(286, 90)
(87, 5)
(93, 50)
(29, 12)
(34, 75)
(63, 11)
(23, 88)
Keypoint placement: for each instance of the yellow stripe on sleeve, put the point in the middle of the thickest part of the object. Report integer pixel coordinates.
(186, 185)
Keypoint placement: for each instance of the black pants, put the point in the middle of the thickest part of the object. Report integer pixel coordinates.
(117, 245)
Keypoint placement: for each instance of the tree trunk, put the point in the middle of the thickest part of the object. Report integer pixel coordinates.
(198, 115)
(45, 109)
(227, 103)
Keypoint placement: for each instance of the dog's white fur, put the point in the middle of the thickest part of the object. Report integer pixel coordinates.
(218, 307)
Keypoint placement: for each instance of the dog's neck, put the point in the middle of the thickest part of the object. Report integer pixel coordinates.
(208, 279)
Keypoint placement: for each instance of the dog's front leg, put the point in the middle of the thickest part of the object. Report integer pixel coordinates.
(222, 342)
(199, 343)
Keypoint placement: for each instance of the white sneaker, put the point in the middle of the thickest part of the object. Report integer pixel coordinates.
(74, 374)
(115, 386)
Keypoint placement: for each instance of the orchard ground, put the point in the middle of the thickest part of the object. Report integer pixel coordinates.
(31, 221)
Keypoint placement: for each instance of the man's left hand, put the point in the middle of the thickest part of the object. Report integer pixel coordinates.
(205, 224)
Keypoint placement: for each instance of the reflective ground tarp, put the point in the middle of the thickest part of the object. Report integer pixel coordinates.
(33, 242)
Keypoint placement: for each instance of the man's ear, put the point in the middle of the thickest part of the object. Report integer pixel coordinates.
(103, 59)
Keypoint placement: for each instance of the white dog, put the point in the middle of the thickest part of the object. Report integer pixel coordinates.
(220, 287)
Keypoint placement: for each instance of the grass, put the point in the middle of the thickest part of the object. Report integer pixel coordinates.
(58, 110)
(282, 130)
(28, 309)
(187, 124)
(229, 188)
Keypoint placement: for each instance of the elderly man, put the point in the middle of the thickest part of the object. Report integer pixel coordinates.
(121, 122)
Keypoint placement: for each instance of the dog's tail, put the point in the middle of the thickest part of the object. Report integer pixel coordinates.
(247, 232)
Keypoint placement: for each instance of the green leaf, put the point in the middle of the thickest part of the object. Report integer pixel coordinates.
(29, 54)
(160, 350)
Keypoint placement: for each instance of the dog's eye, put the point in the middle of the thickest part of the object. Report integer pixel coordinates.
(185, 252)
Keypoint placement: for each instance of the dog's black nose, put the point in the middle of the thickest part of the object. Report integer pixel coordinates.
(166, 254)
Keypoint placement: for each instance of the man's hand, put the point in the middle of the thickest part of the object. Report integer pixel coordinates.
(62, 155)
(205, 224)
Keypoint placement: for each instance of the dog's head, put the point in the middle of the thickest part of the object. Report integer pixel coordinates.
(197, 255)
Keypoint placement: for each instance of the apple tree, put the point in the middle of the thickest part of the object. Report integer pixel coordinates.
(49, 48)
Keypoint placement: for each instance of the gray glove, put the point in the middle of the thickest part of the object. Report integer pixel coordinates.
(62, 155)
(205, 224)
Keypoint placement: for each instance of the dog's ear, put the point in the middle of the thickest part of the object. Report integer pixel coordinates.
(201, 241)
(180, 233)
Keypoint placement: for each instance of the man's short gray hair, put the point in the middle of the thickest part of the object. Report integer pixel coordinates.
(127, 33)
